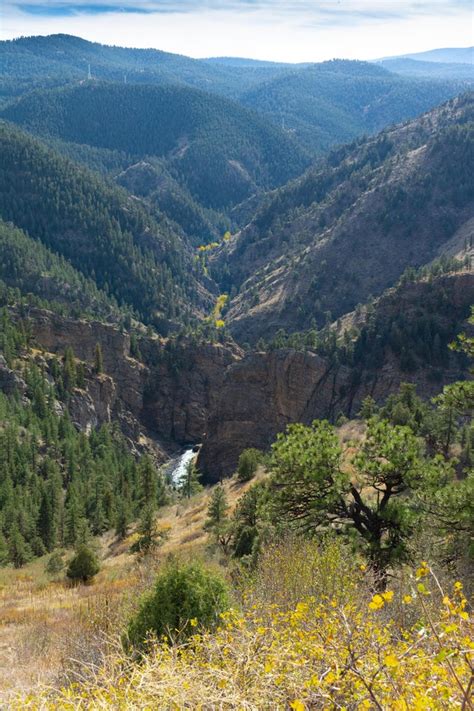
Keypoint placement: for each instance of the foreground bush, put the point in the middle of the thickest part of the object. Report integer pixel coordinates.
(184, 597)
(83, 566)
(325, 654)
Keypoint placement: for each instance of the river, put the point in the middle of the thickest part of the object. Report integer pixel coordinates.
(177, 468)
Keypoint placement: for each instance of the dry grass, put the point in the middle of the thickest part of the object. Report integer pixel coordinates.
(330, 644)
(41, 621)
(45, 625)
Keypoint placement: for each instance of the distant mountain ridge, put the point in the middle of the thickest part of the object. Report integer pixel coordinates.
(317, 103)
(446, 55)
(410, 67)
(335, 101)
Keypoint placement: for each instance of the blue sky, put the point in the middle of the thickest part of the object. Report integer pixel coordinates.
(289, 30)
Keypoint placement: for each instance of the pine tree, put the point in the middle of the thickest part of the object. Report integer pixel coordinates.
(84, 566)
(4, 551)
(148, 536)
(190, 485)
(55, 564)
(98, 359)
(218, 523)
(122, 520)
(46, 526)
(217, 510)
(148, 481)
(19, 551)
(69, 370)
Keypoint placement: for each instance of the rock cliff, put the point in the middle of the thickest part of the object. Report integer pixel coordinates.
(183, 391)
(263, 392)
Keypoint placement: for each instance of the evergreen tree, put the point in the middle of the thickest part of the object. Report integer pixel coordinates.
(69, 370)
(218, 523)
(46, 525)
(83, 566)
(190, 485)
(217, 510)
(98, 359)
(148, 535)
(19, 551)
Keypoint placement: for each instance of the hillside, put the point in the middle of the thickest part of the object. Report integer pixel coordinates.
(350, 226)
(236, 345)
(40, 276)
(104, 234)
(55, 60)
(402, 337)
(333, 102)
(318, 105)
(221, 152)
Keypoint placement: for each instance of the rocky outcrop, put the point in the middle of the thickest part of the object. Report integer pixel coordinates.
(183, 390)
(10, 381)
(260, 395)
(165, 398)
(94, 405)
(263, 392)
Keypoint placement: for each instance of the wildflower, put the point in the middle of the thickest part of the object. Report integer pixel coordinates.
(297, 705)
(391, 661)
(423, 570)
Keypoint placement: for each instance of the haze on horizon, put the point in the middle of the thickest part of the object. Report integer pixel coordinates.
(278, 30)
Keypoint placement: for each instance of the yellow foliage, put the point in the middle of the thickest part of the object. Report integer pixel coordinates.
(316, 655)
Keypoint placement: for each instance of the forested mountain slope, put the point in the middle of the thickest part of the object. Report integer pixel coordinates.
(105, 234)
(335, 101)
(318, 104)
(220, 151)
(28, 269)
(151, 181)
(350, 227)
(54, 60)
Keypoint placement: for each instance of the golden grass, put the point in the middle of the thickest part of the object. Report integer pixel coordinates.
(43, 623)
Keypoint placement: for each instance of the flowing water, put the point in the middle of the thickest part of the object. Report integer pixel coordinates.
(177, 470)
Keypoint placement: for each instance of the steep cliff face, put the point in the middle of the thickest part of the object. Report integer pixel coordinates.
(118, 393)
(164, 399)
(260, 395)
(185, 392)
(183, 389)
(264, 392)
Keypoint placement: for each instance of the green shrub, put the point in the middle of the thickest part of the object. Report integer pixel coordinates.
(55, 564)
(248, 462)
(83, 566)
(184, 596)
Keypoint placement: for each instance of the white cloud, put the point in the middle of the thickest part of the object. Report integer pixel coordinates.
(290, 30)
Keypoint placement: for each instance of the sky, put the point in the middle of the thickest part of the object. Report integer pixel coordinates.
(278, 30)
